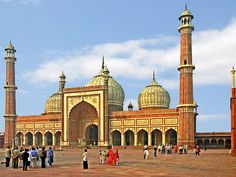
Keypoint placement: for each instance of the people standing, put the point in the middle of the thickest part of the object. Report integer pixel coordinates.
(85, 159)
(117, 158)
(43, 156)
(33, 156)
(197, 151)
(8, 156)
(155, 151)
(50, 156)
(15, 155)
(25, 156)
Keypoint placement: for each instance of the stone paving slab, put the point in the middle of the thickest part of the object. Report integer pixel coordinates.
(212, 163)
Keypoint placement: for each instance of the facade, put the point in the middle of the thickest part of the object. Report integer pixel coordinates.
(93, 114)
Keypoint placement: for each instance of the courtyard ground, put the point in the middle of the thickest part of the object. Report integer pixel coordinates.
(211, 163)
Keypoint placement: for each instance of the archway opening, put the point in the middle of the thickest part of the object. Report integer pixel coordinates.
(19, 139)
(92, 135)
(48, 139)
(142, 138)
(38, 139)
(29, 139)
(80, 116)
(206, 142)
(156, 137)
(57, 137)
(213, 142)
(171, 137)
(199, 142)
(228, 143)
(129, 138)
(116, 138)
(221, 142)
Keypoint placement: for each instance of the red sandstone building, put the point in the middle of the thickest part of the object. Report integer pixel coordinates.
(93, 114)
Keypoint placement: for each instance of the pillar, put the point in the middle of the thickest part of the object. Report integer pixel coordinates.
(163, 138)
(122, 139)
(33, 139)
(135, 139)
(149, 139)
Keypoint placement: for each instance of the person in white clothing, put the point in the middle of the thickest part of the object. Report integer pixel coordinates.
(85, 159)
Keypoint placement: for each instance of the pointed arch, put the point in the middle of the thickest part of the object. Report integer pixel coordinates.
(171, 137)
(116, 138)
(19, 139)
(156, 137)
(48, 139)
(142, 137)
(129, 138)
(38, 139)
(28, 139)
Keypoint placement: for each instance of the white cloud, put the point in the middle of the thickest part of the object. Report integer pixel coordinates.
(24, 2)
(213, 55)
(212, 117)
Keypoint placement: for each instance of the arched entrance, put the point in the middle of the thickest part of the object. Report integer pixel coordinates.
(142, 138)
(48, 139)
(38, 139)
(57, 137)
(206, 142)
(19, 139)
(28, 139)
(129, 138)
(92, 135)
(199, 142)
(80, 116)
(156, 137)
(116, 138)
(171, 137)
(228, 143)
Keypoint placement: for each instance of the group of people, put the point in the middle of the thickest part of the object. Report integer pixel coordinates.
(28, 157)
(169, 149)
(110, 157)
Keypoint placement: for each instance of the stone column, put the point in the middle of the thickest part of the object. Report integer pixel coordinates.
(149, 139)
(135, 139)
(53, 140)
(122, 139)
(43, 139)
(33, 139)
(163, 138)
(24, 139)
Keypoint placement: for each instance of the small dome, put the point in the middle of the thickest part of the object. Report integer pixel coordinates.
(53, 103)
(10, 47)
(186, 12)
(115, 91)
(154, 96)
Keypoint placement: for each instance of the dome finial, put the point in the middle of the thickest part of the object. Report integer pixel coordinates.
(233, 77)
(186, 7)
(103, 62)
(153, 75)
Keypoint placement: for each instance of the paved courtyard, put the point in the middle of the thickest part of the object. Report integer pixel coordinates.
(215, 163)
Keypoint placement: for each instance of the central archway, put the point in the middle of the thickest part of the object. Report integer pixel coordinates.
(142, 137)
(92, 135)
(80, 116)
(171, 137)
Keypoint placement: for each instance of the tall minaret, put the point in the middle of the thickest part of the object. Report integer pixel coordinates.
(186, 103)
(10, 102)
(233, 114)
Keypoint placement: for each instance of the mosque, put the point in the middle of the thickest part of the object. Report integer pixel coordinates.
(93, 114)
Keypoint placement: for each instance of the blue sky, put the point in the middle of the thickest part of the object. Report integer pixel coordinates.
(136, 37)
